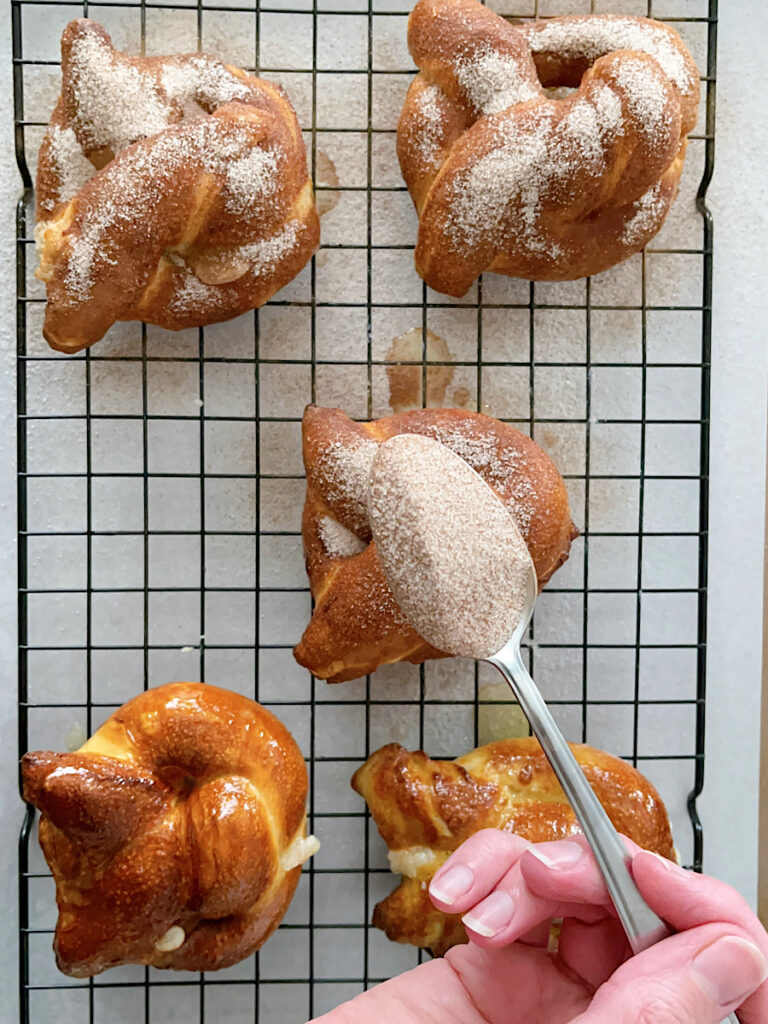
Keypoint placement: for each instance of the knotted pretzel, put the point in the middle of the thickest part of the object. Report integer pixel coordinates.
(356, 624)
(425, 809)
(505, 176)
(175, 835)
(169, 189)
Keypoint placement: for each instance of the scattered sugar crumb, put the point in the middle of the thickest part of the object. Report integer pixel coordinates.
(83, 250)
(118, 103)
(264, 256)
(192, 294)
(508, 183)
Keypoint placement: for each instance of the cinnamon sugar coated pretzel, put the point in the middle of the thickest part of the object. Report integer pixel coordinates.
(356, 623)
(506, 177)
(173, 190)
(175, 834)
(425, 809)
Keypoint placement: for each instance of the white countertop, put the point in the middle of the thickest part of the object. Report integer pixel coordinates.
(738, 462)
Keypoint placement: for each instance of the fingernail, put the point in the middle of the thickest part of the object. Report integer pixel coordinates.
(729, 970)
(451, 884)
(492, 915)
(669, 865)
(557, 855)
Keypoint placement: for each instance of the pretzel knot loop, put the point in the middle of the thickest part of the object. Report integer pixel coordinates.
(356, 623)
(511, 174)
(173, 190)
(175, 835)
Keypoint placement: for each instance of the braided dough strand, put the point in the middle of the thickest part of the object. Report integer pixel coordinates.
(425, 809)
(173, 833)
(356, 623)
(170, 189)
(508, 179)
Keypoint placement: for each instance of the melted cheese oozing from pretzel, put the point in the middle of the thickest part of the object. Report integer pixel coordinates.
(40, 228)
(411, 860)
(171, 940)
(300, 850)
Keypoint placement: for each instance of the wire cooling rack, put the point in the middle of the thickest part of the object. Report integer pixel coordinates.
(160, 487)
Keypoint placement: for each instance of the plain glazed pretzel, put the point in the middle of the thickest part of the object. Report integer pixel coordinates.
(175, 835)
(169, 189)
(425, 809)
(506, 177)
(356, 623)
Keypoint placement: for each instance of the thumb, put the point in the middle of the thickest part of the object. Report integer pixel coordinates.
(697, 977)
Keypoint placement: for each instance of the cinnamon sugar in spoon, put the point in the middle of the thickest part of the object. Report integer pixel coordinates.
(462, 575)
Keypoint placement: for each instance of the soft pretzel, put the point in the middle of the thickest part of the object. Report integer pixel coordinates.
(425, 809)
(175, 835)
(509, 179)
(169, 189)
(356, 624)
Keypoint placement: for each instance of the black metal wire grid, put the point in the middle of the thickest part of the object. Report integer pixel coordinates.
(62, 520)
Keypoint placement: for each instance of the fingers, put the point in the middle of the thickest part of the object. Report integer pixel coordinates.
(697, 977)
(565, 877)
(475, 869)
(686, 900)
(433, 991)
(593, 952)
(510, 890)
(513, 910)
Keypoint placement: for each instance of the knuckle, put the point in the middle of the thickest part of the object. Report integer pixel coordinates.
(659, 1011)
(494, 841)
(661, 1003)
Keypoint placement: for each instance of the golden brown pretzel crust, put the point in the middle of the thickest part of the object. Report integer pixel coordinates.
(175, 812)
(429, 808)
(194, 213)
(356, 624)
(505, 178)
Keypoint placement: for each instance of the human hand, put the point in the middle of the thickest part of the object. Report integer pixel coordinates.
(509, 892)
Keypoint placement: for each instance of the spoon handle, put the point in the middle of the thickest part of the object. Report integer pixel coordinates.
(643, 927)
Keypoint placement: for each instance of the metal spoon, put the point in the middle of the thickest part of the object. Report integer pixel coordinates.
(417, 480)
(643, 927)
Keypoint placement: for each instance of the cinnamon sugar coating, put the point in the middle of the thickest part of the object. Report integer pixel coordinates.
(507, 178)
(173, 190)
(356, 623)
